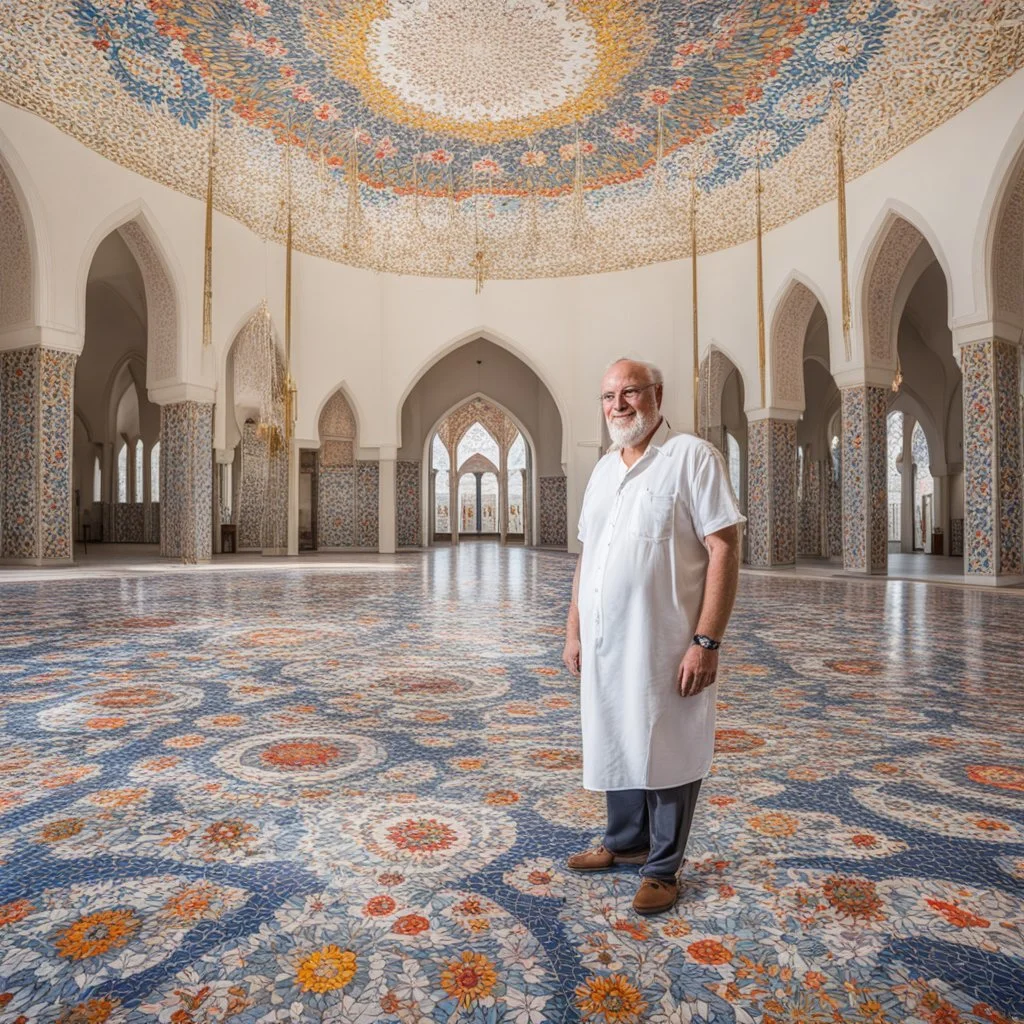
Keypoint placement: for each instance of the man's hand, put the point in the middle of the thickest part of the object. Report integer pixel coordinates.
(697, 670)
(571, 653)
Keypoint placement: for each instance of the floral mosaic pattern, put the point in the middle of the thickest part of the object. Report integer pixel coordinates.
(252, 489)
(810, 541)
(336, 507)
(368, 504)
(758, 493)
(565, 129)
(129, 523)
(407, 504)
(771, 492)
(186, 481)
(992, 458)
(864, 483)
(328, 800)
(36, 407)
(552, 510)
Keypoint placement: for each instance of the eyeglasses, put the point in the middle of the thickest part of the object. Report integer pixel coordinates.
(630, 394)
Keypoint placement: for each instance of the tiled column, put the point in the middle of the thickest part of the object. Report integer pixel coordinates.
(993, 530)
(865, 491)
(771, 491)
(186, 480)
(36, 427)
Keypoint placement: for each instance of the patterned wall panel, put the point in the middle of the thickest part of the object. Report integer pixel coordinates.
(864, 480)
(834, 516)
(992, 459)
(275, 515)
(367, 505)
(771, 492)
(186, 481)
(336, 507)
(783, 495)
(19, 516)
(407, 504)
(552, 510)
(151, 523)
(252, 489)
(129, 522)
(811, 511)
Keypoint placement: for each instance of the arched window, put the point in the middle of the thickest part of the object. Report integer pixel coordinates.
(837, 462)
(733, 451)
(516, 495)
(97, 480)
(894, 436)
(442, 486)
(799, 473)
(138, 472)
(477, 441)
(154, 473)
(924, 488)
(122, 473)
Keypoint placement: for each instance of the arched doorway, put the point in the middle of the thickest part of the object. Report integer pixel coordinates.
(479, 479)
(441, 404)
(111, 395)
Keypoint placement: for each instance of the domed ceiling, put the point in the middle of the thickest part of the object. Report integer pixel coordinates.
(517, 138)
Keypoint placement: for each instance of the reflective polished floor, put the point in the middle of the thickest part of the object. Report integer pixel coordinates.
(343, 790)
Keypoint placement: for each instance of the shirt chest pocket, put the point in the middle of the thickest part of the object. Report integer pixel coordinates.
(653, 516)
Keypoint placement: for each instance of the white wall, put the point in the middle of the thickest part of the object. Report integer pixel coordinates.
(377, 333)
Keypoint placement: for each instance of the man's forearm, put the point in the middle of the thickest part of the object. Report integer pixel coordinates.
(720, 587)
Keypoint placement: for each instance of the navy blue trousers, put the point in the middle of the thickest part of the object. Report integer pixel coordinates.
(654, 819)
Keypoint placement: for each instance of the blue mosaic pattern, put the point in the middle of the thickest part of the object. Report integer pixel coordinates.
(368, 504)
(407, 504)
(739, 72)
(311, 796)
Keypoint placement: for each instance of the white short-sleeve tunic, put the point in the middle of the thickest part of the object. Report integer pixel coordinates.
(641, 586)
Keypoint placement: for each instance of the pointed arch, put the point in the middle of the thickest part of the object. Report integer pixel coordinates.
(1000, 281)
(337, 429)
(162, 279)
(502, 341)
(715, 369)
(30, 262)
(791, 317)
(882, 282)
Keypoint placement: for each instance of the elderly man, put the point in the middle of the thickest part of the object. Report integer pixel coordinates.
(651, 598)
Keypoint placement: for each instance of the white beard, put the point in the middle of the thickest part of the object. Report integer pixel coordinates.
(626, 436)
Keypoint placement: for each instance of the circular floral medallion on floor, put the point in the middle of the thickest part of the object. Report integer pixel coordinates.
(298, 758)
(111, 707)
(433, 688)
(421, 837)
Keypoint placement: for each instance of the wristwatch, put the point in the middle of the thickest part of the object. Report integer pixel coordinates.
(706, 642)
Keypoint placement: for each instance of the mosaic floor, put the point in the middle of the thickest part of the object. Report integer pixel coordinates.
(346, 796)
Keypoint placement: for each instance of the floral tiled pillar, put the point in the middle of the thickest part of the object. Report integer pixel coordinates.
(865, 529)
(186, 481)
(811, 531)
(993, 528)
(771, 492)
(36, 425)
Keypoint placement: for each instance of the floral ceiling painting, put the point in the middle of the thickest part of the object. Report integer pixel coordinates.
(537, 137)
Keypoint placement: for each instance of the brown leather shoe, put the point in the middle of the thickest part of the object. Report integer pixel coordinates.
(655, 896)
(601, 859)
